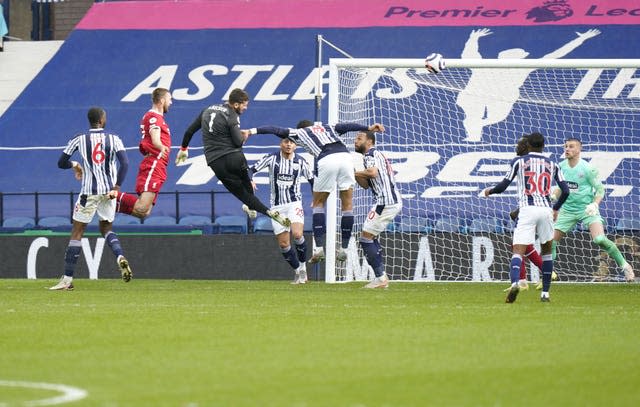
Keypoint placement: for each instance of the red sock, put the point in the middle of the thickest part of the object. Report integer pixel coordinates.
(125, 202)
(523, 271)
(533, 256)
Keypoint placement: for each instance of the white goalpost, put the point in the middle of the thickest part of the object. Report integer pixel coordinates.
(450, 135)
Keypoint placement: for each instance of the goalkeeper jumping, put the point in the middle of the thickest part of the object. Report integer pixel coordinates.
(586, 194)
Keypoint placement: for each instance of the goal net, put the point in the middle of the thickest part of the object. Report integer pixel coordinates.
(450, 135)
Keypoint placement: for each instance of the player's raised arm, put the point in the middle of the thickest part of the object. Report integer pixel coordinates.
(282, 132)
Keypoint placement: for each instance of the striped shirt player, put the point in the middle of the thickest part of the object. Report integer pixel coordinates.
(333, 166)
(534, 173)
(378, 177)
(286, 170)
(104, 166)
(100, 152)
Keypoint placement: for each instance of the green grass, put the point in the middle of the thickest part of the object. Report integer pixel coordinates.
(220, 343)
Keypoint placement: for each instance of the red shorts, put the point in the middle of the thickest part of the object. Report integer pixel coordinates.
(151, 176)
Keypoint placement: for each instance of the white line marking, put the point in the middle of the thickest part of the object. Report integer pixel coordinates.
(68, 395)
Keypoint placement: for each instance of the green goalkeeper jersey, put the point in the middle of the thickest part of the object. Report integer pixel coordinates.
(584, 185)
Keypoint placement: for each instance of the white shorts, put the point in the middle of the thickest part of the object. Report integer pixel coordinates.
(87, 207)
(376, 224)
(334, 169)
(533, 220)
(293, 211)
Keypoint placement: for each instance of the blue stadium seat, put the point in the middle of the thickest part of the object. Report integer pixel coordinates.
(263, 226)
(195, 220)
(628, 224)
(19, 222)
(413, 225)
(232, 224)
(391, 227)
(52, 221)
(160, 220)
(451, 224)
(487, 225)
(122, 219)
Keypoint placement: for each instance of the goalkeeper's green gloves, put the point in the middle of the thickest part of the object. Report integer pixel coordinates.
(182, 156)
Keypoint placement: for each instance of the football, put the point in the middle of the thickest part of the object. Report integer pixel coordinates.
(434, 63)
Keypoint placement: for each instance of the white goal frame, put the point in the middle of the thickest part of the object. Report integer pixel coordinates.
(418, 63)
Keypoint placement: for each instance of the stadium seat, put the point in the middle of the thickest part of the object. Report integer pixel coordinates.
(628, 224)
(52, 221)
(122, 219)
(391, 227)
(19, 222)
(413, 225)
(487, 225)
(195, 220)
(450, 224)
(232, 224)
(262, 225)
(160, 220)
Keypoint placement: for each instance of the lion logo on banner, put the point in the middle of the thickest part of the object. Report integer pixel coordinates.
(552, 10)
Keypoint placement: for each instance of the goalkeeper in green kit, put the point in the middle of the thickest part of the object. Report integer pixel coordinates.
(586, 194)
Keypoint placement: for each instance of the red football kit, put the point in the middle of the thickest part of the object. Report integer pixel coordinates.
(153, 170)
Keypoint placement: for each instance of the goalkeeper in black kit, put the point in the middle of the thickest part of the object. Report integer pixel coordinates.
(222, 141)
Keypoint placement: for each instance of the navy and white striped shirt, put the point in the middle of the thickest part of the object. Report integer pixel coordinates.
(534, 173)
(319, 139)
(284, 176)
(383, 186)
(99, 156)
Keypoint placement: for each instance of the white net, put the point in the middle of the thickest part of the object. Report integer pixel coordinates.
(452, 134)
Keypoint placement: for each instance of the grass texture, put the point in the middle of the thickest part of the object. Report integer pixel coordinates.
(268, 343)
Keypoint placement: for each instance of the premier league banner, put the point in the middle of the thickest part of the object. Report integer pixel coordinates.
(199, 50)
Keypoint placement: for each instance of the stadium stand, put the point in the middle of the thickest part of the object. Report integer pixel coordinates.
(451, 224)
(413, 225)
(195, 220)
(487, 225)
(628, 224)
(232, 224)
(23, 222)
(50, 221)
(160, 220)
(262, 225)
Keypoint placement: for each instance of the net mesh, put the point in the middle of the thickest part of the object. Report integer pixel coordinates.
(450, 135)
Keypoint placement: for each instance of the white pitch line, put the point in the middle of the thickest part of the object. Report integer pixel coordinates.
(68, 395)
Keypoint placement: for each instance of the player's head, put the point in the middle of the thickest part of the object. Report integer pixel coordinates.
(287, 146)
(97, 117)
(304, 123)
(536, 142)
(364, 141)
(513, 53)
(239, 100)
(522, 148)
(161, 98)
(572, 148)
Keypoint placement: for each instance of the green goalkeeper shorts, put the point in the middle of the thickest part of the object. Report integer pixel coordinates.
(568, 220)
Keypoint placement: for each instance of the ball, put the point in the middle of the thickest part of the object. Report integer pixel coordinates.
(434, 62)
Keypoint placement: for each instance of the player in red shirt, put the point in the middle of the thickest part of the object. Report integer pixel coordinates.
(155, 146)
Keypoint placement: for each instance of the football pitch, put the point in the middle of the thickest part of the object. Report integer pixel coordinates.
(268, 343)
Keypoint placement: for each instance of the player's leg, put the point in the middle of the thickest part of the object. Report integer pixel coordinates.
(297, 234)
(144, 204)
(230, 170)
(83, 212)
(523, 235)
(377, 221)
(546, 234)
(597, 234)
(346, 222)
(319, 223)
(345, 180)
(106, 214)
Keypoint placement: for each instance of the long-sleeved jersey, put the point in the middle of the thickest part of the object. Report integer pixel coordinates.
(284, 176)
(99, 151)
(220, 125)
